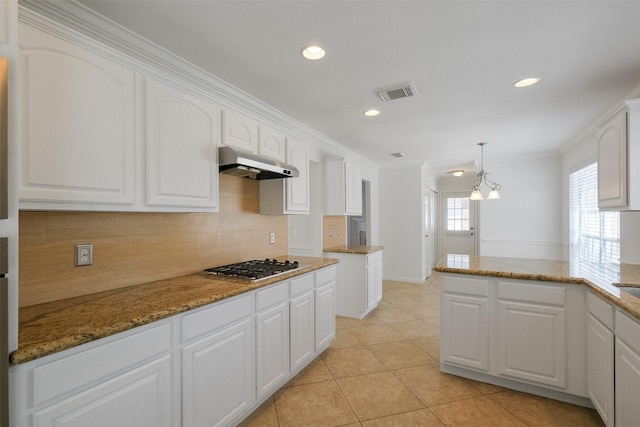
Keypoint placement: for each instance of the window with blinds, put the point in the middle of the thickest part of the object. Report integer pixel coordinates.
(594, 235)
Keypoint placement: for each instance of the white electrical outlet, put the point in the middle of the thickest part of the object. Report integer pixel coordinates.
(272, 238)
(84, 255)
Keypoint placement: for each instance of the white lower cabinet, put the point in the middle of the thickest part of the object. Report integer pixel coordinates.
(214, 365)
(627, 368)
(600, 357)
(532, 333)
(464, 340)
(302, 329)
(272, 339)
(302, 311)
(377, 271)
(325, 313)
(359, 283)
(218, 376)
(522, 334)
(125, 380)
(140, 397)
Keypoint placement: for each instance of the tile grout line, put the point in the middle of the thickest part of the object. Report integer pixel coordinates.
(507, 409)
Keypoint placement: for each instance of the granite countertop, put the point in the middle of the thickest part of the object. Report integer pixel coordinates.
(349, 249)
(602, 279)
(48, 328)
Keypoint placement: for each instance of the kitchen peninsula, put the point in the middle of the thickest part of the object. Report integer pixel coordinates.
(360, 276)
(160, 351)
(559, 329)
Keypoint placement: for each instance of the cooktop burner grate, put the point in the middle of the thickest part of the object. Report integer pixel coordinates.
(254, 270)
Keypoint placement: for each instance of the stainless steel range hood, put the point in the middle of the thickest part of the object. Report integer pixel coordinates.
(248, 165)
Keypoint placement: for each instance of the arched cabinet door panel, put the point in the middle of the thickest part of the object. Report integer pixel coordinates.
(77, 135)
(240, 131)
(182, 140)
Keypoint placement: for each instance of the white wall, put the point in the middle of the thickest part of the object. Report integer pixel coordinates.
(402, 223)
(527, 221)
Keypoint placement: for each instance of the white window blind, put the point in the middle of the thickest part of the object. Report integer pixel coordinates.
(594, 235)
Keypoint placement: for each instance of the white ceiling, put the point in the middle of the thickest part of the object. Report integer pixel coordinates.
(462, 56)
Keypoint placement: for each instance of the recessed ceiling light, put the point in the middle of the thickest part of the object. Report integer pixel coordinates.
(399, 154)
(371, 113)
(313, 52)
(527, 82)
(457, 172)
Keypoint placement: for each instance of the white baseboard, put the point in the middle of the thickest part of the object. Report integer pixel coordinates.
(403, 279)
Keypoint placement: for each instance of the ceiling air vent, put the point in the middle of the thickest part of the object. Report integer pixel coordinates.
(402, 90)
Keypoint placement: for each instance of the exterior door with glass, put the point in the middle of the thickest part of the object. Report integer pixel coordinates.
(459, 231)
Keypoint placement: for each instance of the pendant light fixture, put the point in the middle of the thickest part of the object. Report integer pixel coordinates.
(483, 177)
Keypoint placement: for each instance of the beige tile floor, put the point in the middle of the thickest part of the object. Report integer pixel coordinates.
(383, 370)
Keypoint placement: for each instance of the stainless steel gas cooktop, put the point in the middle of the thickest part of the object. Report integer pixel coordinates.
(254, 270)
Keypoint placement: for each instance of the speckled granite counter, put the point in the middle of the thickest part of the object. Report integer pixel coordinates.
(48, 328)
(361, 249)
(599, 278)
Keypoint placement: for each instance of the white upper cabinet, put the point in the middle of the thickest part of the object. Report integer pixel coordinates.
(288, 195)
(247, 134)
(343, 191)
(619, 160)
(272, 143)
(298, 188)
(353, 189)
(77, 115)
(182, 139)
(240, 131)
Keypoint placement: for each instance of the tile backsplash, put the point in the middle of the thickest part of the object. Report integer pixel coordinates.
(334, 231)
(134, 248)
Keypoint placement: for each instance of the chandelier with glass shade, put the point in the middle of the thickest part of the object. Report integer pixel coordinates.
(483, 178)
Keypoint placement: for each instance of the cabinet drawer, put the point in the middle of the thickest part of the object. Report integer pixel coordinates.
(272, 295)
(325, 276)
(542, 294)
(75, 371)
(302, 284)
(214, 317)
(466, 285)
(140, 397)
(374, 257)
(601, 310)
(628, 330)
